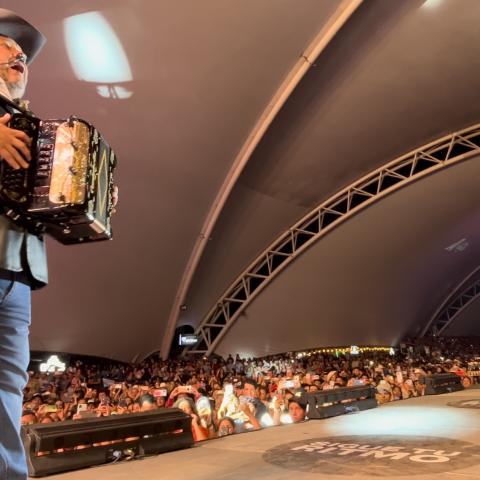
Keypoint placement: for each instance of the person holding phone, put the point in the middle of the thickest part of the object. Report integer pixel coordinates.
(182, 391)
(187, 406)
(250, 394)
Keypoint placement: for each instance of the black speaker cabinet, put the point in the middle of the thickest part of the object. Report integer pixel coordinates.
(73, 444)
(330, 403)
(442, 383)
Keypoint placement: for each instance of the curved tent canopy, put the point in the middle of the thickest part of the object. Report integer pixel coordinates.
(196, 78)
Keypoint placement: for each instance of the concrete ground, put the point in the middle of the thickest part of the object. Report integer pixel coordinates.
(434, 437)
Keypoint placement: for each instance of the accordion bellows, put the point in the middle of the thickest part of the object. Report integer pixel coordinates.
(67, 190)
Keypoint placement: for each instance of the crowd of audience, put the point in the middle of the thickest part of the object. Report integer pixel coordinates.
(226, 396)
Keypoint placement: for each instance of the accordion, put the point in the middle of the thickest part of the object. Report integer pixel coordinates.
(67, 190)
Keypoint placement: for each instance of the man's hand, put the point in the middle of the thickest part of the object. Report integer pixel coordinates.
(14, 145)
(173, 393)
(245, 409)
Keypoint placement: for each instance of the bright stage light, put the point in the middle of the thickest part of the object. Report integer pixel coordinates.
(53, 364)
(398, 419)
(266, 420)
(96, 54)
(431, 3)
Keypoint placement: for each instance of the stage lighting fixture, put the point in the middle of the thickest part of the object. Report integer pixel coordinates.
(97, 55)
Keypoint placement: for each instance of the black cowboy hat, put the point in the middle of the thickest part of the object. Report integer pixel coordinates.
(26, 35)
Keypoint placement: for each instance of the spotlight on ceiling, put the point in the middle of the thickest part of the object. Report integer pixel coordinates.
(459, 246)
(97, 55)
(431, 3)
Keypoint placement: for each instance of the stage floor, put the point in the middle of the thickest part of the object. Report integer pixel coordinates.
(434, 437)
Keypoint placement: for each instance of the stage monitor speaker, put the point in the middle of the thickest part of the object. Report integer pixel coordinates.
(330, 403)
(61, 446)
(442, 383)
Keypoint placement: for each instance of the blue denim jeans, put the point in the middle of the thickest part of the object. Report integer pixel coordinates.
(14, 358)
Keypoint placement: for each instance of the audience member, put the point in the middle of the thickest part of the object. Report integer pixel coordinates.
(235, 395)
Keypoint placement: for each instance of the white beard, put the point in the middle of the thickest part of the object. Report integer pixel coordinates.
(12, 91)
(4, 89)
(16, 89)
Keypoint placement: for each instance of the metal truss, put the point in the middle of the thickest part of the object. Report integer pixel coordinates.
(458, 300)
(328, 215)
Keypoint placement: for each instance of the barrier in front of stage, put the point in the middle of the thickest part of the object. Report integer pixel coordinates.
(73, 444)
(330, 403)
(442, 383)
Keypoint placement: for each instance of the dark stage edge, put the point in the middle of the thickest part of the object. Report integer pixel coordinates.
(435, 437)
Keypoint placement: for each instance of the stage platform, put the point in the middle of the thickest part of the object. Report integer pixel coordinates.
(434, 437)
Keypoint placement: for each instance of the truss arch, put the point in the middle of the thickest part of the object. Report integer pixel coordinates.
(330, 214)
(465, 293)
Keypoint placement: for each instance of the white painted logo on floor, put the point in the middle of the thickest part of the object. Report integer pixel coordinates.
(376, 456)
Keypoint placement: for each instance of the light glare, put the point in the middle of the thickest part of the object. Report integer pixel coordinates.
(401, 419)
(53, 364)
(114, 91)
(266, 420)
(94, 50)
(431, 3)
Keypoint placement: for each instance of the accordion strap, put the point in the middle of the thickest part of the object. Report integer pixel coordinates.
(6, 101)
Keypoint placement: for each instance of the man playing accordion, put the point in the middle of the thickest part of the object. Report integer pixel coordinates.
(23, 264)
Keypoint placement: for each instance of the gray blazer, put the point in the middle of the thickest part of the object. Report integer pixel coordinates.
(22, 251)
